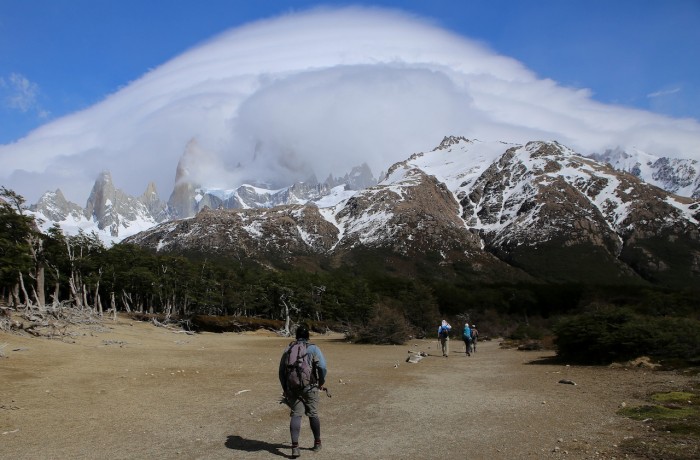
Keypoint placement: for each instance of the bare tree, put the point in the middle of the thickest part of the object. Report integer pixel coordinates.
(289, 307)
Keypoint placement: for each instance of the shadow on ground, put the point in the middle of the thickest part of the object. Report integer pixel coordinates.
(253, 445)
(548, 360)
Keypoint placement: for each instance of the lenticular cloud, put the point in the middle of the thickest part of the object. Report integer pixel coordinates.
(317, 93)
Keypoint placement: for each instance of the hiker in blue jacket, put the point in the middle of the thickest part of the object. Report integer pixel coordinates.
(303, 400)
(467, 338)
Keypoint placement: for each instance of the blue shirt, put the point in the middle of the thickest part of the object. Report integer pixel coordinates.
(446, 329)
(467, 334)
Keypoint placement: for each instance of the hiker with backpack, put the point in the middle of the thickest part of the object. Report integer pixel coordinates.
(475, 336)
(444, 337)
(302, 373)
(467, 338)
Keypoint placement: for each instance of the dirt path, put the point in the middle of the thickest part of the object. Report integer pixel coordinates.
(129, 390)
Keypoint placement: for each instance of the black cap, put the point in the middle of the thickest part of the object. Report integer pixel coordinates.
(302, 332)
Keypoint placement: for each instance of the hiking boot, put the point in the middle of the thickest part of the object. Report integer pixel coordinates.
(317, 447)
(295, 452)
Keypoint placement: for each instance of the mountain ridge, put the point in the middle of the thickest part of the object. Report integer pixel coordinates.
(498, 207)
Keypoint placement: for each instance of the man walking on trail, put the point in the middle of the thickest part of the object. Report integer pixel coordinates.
(444, 337)
(475, 337)
(302, 373)
(467, 338)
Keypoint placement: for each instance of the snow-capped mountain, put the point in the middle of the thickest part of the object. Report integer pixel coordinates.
(509, 211)
(679, 176)
(114, 215)
(109, 212)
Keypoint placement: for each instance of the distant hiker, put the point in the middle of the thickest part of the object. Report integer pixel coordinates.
(302, 373)
(467, 338)
(475, 337)
(444, 337)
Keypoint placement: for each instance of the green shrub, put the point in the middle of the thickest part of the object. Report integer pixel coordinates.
(612, 334)
(526, 332)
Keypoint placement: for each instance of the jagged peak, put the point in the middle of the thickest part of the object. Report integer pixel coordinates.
(104, 177)
(53, 198)
(192, 153)
(150, 190)
(55, 195)
(449, 141)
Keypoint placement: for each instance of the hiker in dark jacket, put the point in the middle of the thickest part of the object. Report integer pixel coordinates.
(303, 400)
(475, 337)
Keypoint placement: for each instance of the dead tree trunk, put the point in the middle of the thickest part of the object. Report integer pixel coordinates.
(113, 304)
(40, 293)
(98, 303)
(74, 281)
(27, 301)
(56, 292)
(287, 320)
(14, 296)
(75, 294)
(85, 299)
(126, 300)
(98, 300)
(288, 307)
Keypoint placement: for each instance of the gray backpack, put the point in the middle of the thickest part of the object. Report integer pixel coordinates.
(299, 369)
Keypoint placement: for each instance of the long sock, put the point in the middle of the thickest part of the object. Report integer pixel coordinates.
(315, 424)
(295, 429)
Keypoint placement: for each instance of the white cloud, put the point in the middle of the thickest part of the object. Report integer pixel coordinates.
(664, 92)
(319, 92)
(21, 94)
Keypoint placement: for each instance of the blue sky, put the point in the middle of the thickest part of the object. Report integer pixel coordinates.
(60, 56)
(274, 91)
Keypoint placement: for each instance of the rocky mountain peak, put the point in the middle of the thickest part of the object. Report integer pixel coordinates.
(55, 207)
(676, 175)
(449, 141)
(155, 206)
(182, 202)
(99, 203)
(113, 209)
(359, 178)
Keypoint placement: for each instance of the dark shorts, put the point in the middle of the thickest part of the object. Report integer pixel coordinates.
(305, 404)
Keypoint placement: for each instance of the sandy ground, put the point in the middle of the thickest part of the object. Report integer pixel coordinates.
(130, 390)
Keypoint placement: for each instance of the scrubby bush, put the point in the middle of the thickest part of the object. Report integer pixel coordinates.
(386, 327)
(611, 334)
